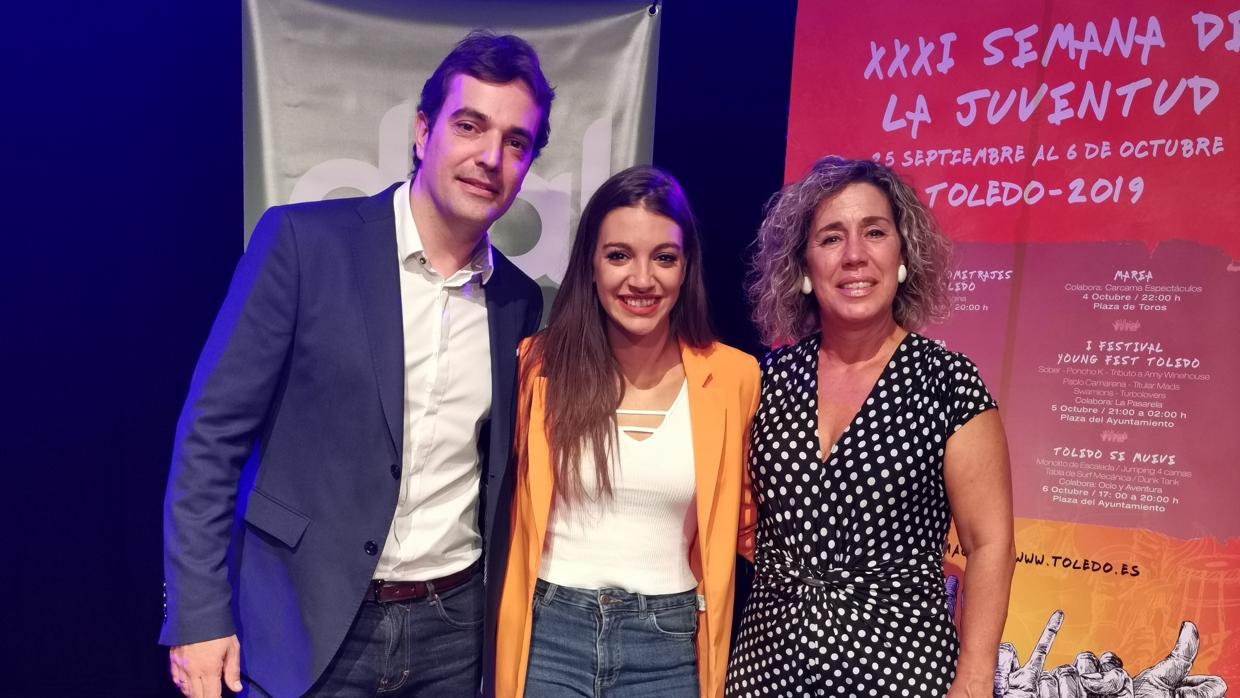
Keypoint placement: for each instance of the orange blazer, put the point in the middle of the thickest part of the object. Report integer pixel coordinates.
(723, 388)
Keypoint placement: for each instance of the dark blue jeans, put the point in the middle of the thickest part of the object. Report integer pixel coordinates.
(598, 643)
(427, 648)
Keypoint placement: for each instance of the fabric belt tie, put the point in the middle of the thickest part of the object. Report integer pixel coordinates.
(383, 591)
(914, 576)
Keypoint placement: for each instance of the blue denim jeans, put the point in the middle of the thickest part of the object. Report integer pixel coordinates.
(431, 647)
(609, 643)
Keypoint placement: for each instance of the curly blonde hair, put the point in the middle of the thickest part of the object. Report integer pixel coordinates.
(781, 312)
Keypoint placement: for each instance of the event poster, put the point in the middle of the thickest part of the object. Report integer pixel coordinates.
(1086, 159)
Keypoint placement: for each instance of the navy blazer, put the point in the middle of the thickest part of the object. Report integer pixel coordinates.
(302, 378)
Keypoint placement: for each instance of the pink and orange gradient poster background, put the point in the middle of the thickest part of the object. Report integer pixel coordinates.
(1086, 159)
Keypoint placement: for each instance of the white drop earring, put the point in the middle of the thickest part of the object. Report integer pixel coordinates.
(807, 286)
(902, 274)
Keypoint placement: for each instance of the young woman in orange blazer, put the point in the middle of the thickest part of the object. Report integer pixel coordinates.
(631, 497)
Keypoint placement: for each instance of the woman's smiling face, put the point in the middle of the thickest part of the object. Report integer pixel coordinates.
(638, 270)
(853, 256)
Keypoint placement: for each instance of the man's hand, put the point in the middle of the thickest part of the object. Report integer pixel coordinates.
(196, 668)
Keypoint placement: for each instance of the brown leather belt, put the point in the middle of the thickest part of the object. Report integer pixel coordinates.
(384, 591)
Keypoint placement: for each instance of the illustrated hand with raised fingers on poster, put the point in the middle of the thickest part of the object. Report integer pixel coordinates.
(1105, 677)
(1091, 676)
(1169, 677)
(1012, 680)
(1088, 676)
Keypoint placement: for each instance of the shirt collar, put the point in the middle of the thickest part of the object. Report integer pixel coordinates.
(409, 243)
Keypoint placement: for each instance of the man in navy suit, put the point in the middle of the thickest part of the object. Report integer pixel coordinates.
(340, 485)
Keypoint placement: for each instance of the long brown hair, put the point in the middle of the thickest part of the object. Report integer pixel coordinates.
(584, 385)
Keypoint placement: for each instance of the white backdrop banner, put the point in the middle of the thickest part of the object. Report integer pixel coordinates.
(331, 90)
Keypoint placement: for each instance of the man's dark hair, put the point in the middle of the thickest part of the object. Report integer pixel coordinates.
(499, 59)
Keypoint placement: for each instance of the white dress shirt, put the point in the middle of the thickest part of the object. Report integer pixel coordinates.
(447, 397)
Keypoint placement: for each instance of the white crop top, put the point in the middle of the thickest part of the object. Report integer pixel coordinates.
(638, 540)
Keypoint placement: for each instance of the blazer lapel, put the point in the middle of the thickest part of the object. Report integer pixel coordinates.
(540, 484)
(378, 281)
(504, 329)
(708, 416)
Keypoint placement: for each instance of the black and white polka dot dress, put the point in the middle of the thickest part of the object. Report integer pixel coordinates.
(848, 596)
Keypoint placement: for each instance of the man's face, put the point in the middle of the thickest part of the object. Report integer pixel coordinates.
(475, 156)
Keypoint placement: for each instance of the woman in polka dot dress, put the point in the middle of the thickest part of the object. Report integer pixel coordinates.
(868, 440)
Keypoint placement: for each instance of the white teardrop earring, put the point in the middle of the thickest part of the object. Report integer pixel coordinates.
(807, 286)
(902, 274)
